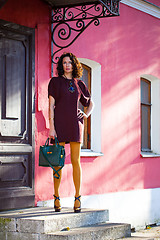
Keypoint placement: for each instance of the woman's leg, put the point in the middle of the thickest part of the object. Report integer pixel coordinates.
(58, 181)
(75, 159)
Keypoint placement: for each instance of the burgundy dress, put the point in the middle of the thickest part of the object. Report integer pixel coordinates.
(68, 126)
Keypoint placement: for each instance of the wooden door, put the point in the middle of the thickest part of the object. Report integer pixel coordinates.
(16, 116)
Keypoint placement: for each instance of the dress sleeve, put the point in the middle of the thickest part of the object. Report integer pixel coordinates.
(53, 88)
(85, 95)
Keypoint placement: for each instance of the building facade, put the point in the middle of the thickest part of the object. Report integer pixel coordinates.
(120, 165)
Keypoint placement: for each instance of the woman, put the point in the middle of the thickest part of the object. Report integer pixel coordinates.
(66, 120)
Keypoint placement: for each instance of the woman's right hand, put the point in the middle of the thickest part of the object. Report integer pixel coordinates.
(52, 133)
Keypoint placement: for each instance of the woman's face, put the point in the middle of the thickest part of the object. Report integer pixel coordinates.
(67, 65)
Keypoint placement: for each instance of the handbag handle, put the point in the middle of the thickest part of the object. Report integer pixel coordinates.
(56, 142)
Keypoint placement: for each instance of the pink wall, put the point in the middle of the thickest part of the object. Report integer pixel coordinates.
(126, 47)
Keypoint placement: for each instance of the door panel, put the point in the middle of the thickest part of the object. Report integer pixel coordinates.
(13, 171)
(16, 145)
(13, 85)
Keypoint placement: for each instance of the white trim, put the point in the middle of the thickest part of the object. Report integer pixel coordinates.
(143, 6)
(96, 114)
(90, 153)
(155, 114)
(149, 154)
(138, 207)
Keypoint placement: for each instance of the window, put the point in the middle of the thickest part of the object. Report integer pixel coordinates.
(150, 116)
(145, 115)
(93, 70)
(86, 78)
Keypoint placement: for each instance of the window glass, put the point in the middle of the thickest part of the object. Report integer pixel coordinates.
(145, 115)
(145, 92)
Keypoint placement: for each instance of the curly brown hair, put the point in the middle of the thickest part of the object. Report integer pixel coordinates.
(77, 67)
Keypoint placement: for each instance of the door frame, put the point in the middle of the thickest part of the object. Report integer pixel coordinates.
(30, 33)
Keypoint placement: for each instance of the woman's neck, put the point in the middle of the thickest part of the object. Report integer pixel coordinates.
(68, 75)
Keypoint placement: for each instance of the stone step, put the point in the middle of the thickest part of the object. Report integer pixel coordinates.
(138, 238)
(105, 231)
(45, 220)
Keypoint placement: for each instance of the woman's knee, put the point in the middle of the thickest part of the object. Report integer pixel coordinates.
(75, 153)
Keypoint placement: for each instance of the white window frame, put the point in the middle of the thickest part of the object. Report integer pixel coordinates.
(96, 114)
(155, 116)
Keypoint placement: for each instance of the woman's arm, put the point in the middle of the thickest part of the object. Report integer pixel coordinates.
(89, 109)
(52, 132)
(88, 112)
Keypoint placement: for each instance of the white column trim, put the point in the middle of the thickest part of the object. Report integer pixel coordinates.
(143, 6)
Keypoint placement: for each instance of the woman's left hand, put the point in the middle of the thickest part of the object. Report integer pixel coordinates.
(81, 114)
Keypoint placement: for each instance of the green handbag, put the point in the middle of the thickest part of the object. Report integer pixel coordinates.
(52, 156)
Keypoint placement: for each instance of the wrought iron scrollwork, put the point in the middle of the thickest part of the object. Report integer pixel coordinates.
(68, 23)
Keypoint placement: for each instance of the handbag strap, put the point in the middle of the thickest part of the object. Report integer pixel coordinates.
(55, 171)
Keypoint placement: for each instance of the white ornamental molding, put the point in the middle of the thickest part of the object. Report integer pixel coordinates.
(144, 6)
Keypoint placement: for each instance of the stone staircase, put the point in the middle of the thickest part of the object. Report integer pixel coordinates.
(42, 223)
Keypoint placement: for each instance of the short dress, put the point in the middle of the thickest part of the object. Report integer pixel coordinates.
(68, 126)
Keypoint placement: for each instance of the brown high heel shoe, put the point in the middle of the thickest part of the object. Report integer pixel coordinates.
(77, 209)
(57, 209)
